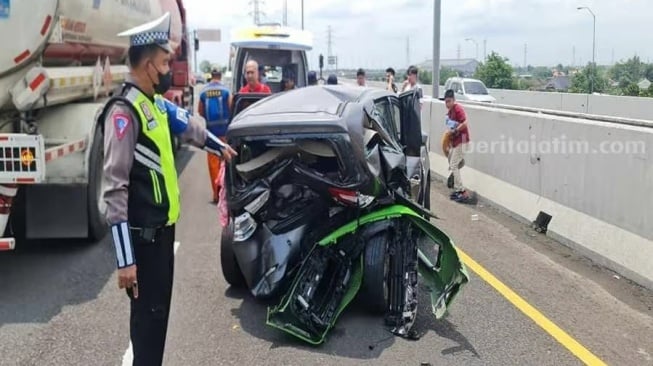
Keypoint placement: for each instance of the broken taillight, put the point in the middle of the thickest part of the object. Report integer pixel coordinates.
(244, 227)
(348, 197)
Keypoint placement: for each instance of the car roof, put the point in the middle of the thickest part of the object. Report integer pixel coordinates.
(337, 106)
(458, 78)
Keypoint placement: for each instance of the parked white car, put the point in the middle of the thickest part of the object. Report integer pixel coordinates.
(469, 89)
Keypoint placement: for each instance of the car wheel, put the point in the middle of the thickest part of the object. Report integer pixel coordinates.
(230, 268)
(374, 289)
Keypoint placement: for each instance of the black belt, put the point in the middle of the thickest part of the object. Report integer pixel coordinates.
(148, 234)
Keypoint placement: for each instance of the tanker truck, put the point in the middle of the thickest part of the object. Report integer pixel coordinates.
(59, 62)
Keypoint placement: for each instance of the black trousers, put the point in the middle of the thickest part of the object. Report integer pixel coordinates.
(149, 312)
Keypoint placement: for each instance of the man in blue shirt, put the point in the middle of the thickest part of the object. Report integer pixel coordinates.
(215, 106)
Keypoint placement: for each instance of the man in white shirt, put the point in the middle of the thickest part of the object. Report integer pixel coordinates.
(411, 81)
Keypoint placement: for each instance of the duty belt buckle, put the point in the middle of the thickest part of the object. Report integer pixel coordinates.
(148, 234)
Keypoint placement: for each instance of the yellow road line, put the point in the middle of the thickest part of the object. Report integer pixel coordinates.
(565, 339)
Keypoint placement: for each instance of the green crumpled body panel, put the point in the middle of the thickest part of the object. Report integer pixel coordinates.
(444, 283)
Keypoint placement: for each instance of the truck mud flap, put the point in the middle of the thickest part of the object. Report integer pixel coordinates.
(341, 276)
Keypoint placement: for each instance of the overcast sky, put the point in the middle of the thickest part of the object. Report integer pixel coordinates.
(374, 33)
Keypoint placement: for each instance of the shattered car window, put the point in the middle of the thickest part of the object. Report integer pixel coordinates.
(385, 117)
(256, 158)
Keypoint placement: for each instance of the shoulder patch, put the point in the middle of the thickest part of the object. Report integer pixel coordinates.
(121, 122)
(182, 115)
(146, 111)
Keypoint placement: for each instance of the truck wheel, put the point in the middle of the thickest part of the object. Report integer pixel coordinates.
(376, 264)
(230, 269)
(97, 225)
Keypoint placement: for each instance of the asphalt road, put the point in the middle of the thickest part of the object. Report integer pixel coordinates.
(59, 303)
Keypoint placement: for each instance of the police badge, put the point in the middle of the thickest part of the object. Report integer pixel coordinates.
(146, 111)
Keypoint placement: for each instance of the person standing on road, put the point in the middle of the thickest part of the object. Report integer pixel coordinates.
(142, 193)
(457, 122)
(215, 106)
(312, 78)
(288, 82)
(390, 78)
(360, 77)
(332, 79)
(253, 84)
(411, 79)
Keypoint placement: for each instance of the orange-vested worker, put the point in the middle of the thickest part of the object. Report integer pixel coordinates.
(215, 106)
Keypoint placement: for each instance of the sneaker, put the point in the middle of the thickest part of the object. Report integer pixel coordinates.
(455, 194)
(462, 197)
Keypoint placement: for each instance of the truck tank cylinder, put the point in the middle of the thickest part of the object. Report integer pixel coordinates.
(76, 32)
(72, 33)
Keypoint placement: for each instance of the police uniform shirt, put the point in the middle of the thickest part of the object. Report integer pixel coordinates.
(120, 134)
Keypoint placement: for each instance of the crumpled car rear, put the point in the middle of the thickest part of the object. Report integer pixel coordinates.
(312, 190)
(331, 276)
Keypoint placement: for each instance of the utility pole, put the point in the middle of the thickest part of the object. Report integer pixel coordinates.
(437, 9)
(256, 13)
(593, 67)
(475, 43)
(484, 49)
(302, 14)
(285, 13)
(329, 43)
(407, 51)
(525, 55)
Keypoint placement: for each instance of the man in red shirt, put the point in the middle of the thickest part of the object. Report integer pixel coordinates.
(457, 122)
(253, 84)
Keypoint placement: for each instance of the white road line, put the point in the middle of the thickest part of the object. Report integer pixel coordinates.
(128, 357)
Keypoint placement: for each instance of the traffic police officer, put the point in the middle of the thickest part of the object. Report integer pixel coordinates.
(141, 193)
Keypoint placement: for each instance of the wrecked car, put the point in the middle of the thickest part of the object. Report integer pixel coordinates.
(328, 199)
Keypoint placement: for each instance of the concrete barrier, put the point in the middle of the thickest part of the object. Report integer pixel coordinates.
(594, 178)
(603, 105)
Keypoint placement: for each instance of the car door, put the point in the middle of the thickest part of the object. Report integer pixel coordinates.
(415, 143)
(411, 121)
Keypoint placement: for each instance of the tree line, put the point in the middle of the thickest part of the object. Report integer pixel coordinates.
(621, 78)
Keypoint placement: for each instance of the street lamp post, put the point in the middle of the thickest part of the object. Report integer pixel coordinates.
(593, 68)
(302, 14)
(437, 6)
(475, 43)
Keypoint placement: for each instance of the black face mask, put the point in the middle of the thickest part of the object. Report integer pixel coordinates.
(165, 81)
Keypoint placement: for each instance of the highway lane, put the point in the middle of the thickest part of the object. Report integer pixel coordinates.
(59, 303)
